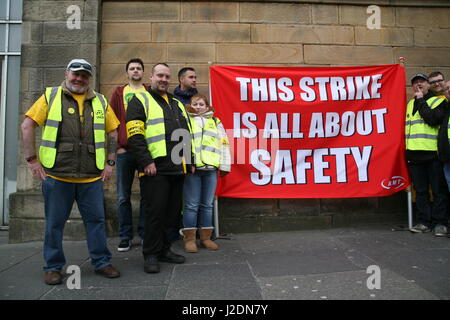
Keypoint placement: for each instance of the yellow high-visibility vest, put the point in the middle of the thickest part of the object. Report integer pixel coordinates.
(419, 135)
(206, 143)
(155, 131)
(47, 150)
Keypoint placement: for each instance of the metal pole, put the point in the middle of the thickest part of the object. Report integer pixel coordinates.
(216, 202)
(3, 120)
(410, 218)
(216, 217)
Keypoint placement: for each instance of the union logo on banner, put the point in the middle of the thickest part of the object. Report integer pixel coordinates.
(395, 182)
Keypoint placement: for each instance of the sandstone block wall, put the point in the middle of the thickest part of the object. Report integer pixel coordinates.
(204, 33)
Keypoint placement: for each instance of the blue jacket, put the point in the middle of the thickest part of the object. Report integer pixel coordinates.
(184, 96)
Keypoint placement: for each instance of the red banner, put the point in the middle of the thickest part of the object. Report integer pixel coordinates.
(312, 132)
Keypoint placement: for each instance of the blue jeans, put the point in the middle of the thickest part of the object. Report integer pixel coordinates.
(199, 189)
(126, 168)
(59, 197)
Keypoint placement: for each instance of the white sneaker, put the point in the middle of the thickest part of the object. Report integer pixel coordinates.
(440, 230)
(420, 227)
(124, 246)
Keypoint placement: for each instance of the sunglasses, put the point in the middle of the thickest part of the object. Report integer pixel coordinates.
(436, 81)
(80, 65)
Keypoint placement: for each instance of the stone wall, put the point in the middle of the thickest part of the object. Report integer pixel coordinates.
(306, 33)
(204, 33)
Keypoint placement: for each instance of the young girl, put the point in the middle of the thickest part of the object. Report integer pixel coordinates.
(212, 153)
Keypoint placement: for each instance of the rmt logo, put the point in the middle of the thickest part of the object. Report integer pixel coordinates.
(394, 182)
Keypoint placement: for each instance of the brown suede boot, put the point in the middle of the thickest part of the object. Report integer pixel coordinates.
(205, 239)
(189, 240)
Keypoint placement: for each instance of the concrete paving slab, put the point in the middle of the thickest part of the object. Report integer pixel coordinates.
(213, 282)
(418, 258)
(295, 263)
(111, 293)
(281, 265)
(305, 241)
(13, 254)
(25, 281)
(229, 252)
(350, 285)
(132, 275)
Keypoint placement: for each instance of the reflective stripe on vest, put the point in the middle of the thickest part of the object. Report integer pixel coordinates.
(419, 135)
(99, 105)
(47, 150)
(206, 143)
(155, 130)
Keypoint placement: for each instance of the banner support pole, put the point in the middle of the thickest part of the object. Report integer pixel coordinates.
(410, 218)
(216, 217)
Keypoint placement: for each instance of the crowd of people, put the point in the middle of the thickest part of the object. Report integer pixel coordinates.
(172, 142)
(177, 148)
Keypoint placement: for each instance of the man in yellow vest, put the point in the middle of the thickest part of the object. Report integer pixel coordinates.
(74, 160)
(159, 137)
(424, 114)
(437, 87)
(126, 163)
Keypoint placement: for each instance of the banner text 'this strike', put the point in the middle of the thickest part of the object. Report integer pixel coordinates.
(342, 89)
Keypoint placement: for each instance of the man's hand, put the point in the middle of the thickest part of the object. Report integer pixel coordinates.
(121, 150)
(418, 94)
(223, 173)
(150, 170)
(37, 170)
(107, 172)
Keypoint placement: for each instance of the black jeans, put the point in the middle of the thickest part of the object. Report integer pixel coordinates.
(162, 198)
(423, 176)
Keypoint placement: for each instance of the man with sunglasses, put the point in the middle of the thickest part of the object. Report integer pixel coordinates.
(73, 161)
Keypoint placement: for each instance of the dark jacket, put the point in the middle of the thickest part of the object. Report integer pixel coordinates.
(173, 120)
(117, 104)
(184, 96)
(443, 143)
(432, 117)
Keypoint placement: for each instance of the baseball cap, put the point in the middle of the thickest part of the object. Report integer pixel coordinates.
(79, 64)
(419, 76)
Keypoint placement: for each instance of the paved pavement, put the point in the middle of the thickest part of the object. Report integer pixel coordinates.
(327, 264)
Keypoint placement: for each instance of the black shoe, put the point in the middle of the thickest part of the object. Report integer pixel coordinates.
(124, 246)
(169, 256)
(151, 264)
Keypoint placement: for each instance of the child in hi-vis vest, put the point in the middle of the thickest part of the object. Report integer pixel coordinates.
(212, 154)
